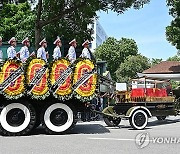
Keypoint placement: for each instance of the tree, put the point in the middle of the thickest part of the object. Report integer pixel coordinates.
(115, 52)
(155, 61)
(16, 20)
(15, 1)
(174, 58)
(131, 66)
(69, 17)
(173, 31)
(76, 13)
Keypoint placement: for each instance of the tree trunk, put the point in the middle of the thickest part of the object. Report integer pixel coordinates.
(37, 35)
(38, 26)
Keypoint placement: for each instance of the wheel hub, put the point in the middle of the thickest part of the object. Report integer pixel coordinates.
(139, 119)
(58, 117)
(15, 117)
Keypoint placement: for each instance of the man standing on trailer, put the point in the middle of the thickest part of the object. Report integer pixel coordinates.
(24, 52)
(57, 51)
(85, 52)
(71, 51)
(41, 52)
(1, 53)
(11, 52)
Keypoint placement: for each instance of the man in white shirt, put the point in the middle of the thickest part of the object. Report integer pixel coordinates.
(41, 52)
(71, 51)
(11, 52)
(85, 52)
(57, 51)
(24, 52)
(1, 53)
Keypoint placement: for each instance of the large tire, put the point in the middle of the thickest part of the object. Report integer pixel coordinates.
(38, 114)
(17, 119)
(58, 118)
(138, 120)
(38, 121)
(161, 118)
(111, 122)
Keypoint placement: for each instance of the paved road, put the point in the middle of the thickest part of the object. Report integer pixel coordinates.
(96, 138)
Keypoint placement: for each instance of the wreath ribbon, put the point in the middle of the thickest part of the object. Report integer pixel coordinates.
(87, 89)
(41, 89)
(15, 88)
(61, 78)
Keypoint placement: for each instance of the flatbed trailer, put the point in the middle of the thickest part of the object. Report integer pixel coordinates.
(138, 109)
(138, 112)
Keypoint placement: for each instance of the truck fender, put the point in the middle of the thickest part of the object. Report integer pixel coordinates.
(108, 110)
(132, 109)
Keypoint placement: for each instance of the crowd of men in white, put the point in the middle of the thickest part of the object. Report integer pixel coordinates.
(24, 53)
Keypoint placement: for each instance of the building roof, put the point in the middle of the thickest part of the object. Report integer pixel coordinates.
(164, 67)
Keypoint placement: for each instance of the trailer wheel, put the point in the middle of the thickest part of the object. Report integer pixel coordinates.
(17, 119)
(161, 118)
(138, 120)
(58, 118)
(111, 122)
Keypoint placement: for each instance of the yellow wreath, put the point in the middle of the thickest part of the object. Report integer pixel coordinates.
(66, 90)
(91, 83)
(16, 89)
(42, 87)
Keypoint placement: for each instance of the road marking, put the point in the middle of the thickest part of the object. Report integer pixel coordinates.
(112, 139)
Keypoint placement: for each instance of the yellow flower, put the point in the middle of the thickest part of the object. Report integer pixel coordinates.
(17, 87)
(42, 87)
(89, 87)
(57, 68)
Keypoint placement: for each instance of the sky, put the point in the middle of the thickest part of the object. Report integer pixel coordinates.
(146, 26)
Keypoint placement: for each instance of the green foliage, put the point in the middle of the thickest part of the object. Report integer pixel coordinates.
(67, 18)
(173, 31)
(70, 18)
(174, 84)
(129, 68)
(115, 52)
(155, 61)
(12, 1)
(16, 20)
(174, 58)
(121, 6)
(56, 17)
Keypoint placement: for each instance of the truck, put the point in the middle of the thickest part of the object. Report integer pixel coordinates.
(54, 94)
(152, 98)
(36, 92)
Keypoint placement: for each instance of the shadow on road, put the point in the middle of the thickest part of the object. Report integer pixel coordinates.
(38, 131)
(123, 127)
(118, 127)
(89, 129)
(150, 125)
(78, 129)
(164, 122)
(159, 123)
(96, 128)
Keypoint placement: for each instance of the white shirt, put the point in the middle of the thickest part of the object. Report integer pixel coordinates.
(24, 53)
(11, 52)
(41, 53)
(72, 54)
(57, 52)
(85, 53)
